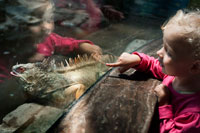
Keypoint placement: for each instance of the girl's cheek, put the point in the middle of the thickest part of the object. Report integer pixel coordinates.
(166, 60)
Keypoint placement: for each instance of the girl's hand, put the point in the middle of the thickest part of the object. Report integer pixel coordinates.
(36, 57)
(125, 61)
(86, 48)
(163, 94)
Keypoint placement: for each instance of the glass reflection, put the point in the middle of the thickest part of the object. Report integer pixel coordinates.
(31, 30)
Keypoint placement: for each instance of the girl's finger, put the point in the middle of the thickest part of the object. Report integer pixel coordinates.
(116, 64)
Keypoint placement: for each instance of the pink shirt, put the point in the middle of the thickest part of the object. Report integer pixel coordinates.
(58, 44)
(183, 113)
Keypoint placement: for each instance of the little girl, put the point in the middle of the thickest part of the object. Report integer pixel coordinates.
(178, 66)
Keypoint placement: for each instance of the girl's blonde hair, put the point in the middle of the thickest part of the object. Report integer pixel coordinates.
(189, 22)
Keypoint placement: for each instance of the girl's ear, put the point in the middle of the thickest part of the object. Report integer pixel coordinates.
(196, 67)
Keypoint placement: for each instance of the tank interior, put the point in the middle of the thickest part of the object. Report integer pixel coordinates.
(114, 102)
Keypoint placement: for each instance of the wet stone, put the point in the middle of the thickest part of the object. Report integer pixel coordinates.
(29, 118)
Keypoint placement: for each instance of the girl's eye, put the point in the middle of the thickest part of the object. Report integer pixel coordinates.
(167, 52)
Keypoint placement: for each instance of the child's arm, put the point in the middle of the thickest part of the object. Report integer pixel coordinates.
(188, 122)
(126, 61)
(63, 45)
(163, 94)
(36, 57)
(140, 62)
(89, 49)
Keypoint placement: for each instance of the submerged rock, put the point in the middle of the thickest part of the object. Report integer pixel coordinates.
(29, 118)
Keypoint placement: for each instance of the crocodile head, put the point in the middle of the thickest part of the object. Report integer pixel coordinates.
(32, 76)
(33, 71)
(25, 72)
(41, 83)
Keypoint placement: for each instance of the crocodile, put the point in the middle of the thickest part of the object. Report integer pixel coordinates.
(56, 84)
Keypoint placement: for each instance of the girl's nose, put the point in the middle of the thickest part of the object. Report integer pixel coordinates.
(160, 52)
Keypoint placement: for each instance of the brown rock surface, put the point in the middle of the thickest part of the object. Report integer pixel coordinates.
(29, 118)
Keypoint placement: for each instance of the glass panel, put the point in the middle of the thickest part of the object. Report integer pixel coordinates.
(32, 30)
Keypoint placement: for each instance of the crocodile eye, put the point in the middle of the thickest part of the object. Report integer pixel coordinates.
(20, 69)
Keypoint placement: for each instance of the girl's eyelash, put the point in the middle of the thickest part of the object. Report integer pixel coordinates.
(165, 49)
(167, 52)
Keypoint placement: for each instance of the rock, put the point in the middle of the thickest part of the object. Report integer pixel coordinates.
(115, 104)
(29, 118)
